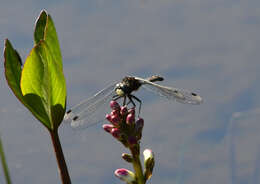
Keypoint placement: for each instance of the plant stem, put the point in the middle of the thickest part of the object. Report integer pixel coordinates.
(4, 164)
(64, 174)
(137, 165)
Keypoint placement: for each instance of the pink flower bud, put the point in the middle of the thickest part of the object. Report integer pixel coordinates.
(114, 105)
(139, 124)
(108, 127)
(130, 119)
(115, 119)
(131, 111)
(108, 117)
(127, 157)
(116, 133)
(115, 112)
(123, 110)
(125, 175)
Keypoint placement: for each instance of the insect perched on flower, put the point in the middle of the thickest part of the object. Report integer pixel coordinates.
(89, 112)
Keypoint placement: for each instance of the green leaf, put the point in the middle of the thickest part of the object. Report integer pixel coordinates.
(40, 27)
(42, 77)
(40, 85)
(12, 64)
(13, 76)
(45, 30)
(49, 35)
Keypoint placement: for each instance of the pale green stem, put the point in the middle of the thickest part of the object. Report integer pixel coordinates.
(137, 166)
(4, 164)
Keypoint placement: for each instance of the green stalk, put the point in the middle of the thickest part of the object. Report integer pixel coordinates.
(64, 174)
(4, 164)
(137, 165)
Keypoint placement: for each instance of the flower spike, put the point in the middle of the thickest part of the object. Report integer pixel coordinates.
(128, 131)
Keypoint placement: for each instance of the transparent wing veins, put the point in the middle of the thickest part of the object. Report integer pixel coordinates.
(179, 95)
(94, 114)
(90, 105)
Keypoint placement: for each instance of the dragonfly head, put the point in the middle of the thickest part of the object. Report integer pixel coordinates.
(127, 86)
(120, 89)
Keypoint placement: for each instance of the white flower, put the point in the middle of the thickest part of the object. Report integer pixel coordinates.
(148, 163)
(148, 154)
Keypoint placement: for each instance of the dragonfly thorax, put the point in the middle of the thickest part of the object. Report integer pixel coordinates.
(127, 86)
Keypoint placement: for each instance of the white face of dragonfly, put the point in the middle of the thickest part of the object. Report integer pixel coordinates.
(119, 89)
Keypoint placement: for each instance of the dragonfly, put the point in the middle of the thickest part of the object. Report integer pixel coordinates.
(88, 112)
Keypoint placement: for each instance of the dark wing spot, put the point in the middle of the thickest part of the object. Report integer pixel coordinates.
(175, 91)
(155, 78)
(75, 118)
(194, 94)
(69, 111)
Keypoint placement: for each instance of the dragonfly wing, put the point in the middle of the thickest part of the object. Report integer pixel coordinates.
(95, 113)
(90, 107)
(182, 96)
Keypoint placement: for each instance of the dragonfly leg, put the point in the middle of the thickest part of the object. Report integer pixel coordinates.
(116, 97)
(128, 102)
(131, 100)
(137, 99)
(124, 101)
(140, 104)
